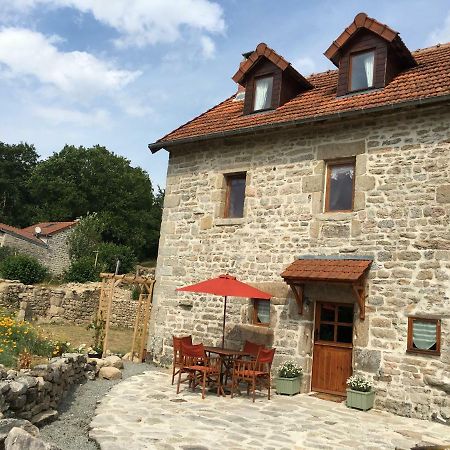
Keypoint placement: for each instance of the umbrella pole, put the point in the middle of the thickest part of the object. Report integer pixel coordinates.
(223, 325)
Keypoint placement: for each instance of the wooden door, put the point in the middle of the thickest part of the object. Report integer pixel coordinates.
(332, 357)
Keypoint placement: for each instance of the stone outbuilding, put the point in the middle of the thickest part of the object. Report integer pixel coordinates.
(331, 192)
(46, 241)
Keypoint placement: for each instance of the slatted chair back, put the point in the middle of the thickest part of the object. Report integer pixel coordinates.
(177, 361)
(193, 354)
(264, 359)
(252, 348)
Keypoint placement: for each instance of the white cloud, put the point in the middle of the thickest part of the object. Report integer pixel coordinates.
(140, 22)
(440, 34)
(208, 47)
(56, 116)
(27, 53)
(305, 65)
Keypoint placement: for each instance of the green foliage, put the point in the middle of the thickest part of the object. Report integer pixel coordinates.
(24, 268)
(289, 369)
(17, 337)
(5, 252)
(109, 253)
(98, 326)
(17, 163)
(82, 270)
(78, 180)
(86, 236)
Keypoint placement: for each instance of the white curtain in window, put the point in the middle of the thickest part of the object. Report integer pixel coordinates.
(263, 92)
(368, 68)
(264, 311)
(424, 334)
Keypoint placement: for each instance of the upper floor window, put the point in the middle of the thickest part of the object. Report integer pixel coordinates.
(340, 186)
(424, 335)
(261, 312)
(263, 93)
(362, 71)
(234, 203)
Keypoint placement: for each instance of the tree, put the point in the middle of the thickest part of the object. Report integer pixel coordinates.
(79, 180)
(17, 163)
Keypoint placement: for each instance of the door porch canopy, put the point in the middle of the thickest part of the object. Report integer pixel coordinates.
(328, 269)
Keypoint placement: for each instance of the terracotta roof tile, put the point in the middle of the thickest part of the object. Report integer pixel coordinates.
(49, 228)
(430, 78)
(350, 270)
(20, 233)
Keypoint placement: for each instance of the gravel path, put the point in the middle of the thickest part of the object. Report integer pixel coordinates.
(70, 431)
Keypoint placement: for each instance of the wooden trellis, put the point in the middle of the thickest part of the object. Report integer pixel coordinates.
(140, 335)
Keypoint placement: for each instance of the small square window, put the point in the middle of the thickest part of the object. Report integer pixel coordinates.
(262, 97)
(261, 312)
(340, 186)
(235, 196)
(362, 70)
(424, 336)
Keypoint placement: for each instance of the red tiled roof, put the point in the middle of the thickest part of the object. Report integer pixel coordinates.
(430, 79)
(363, 21)
(20, 233)
(346, 270)
(49, 228)
(263, 51)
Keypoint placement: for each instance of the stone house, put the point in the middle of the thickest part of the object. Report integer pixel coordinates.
(331, 192)
(46, 241)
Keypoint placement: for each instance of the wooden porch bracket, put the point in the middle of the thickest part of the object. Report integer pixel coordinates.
(297, 289)
(360, 293)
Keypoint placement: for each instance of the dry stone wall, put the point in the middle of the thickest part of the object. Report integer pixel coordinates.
(34, 394)
(401, 219)
(73, 302)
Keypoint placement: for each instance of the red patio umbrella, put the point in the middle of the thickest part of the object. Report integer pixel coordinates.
(227, 286)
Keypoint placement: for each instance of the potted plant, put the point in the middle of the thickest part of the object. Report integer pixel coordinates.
(289, 378)
(360, 393)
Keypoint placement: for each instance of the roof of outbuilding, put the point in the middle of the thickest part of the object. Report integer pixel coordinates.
(49, 228)
(20, 233)
(429, 80)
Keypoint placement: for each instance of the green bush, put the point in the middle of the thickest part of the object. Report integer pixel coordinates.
(109, 253)
(82, 270)
(24, 268)
(5, 252)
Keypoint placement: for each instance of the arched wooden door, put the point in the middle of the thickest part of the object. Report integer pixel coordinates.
(332, 357)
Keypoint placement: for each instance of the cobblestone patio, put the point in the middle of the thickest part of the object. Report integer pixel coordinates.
(144, 412)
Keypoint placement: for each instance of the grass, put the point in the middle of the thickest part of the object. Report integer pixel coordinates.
(119, 338)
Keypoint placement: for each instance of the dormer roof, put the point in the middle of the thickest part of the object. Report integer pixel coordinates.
(263, 51)
(363, 22)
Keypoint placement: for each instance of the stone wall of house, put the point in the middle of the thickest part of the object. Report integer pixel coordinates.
(38, 251)
(73, 302)
(401, 219)
(34, 394)
(58, 252)
(53, 252)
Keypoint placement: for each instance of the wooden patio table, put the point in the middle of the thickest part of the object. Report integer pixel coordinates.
(227, 356)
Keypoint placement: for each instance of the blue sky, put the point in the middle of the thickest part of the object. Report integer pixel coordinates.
(122, 73)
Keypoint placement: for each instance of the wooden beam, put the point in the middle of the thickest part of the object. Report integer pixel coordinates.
(297, 289)
(360, 293)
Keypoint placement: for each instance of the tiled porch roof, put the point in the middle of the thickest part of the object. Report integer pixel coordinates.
(342, 270)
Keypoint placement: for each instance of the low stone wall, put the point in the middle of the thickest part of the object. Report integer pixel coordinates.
(34, 394)
(73, 302)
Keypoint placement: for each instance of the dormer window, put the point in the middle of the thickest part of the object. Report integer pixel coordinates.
(362, 71)
(369, 55)
(263, 93)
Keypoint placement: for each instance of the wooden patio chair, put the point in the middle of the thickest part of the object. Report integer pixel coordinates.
(252, 348)
(200, 369)
(255, 373)
(177, 360)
